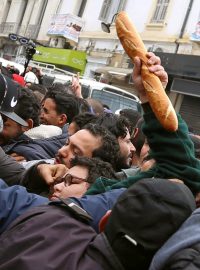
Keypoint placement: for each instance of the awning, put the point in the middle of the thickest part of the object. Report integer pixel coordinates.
(186, 87)
(114, 71)
(71, 58)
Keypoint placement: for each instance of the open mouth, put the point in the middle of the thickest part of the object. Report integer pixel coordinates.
(58, 160)
(130, 156)
(53, 197)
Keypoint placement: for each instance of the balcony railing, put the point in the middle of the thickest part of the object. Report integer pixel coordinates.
(29, 31)
(6, 28)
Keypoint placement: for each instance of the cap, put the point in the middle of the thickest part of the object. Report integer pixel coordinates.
(145, 216)
(19, 79)
(8, 99)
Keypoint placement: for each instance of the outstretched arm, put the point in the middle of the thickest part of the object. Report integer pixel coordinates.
(76, 87)
(173, 151)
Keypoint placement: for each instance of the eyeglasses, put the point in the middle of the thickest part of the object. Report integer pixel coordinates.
(70, 179)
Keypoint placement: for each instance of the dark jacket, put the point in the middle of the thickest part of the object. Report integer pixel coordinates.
(10, 170)
(173, 152)
(50, 237)
(15, 201)
(182, 250)
(32, 149)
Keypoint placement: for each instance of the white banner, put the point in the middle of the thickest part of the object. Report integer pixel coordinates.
(66, 25)
(196, 35)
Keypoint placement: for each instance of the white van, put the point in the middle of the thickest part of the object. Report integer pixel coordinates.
(5, 62)
(114, 97)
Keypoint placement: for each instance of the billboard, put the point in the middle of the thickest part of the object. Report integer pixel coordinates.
(66, 25)
(72, 58)
(196, 35)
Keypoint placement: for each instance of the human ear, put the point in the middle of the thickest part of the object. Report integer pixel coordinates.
(30, 125)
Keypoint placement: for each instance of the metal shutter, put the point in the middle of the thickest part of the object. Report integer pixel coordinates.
(190, 112)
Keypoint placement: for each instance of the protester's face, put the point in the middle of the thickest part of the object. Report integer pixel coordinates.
(126, 150)
(82, 143)
(11, 130)
(75, 185)
(49, 115)
(147, 164)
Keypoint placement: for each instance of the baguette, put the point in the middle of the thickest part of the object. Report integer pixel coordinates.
(134, 46)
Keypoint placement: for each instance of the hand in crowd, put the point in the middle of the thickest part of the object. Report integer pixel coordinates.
(154, 67)
(51, 173)
(17, 157)
(176, 180)
(76, 87)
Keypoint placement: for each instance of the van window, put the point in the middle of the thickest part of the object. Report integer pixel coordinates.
(115, 102)
(85, 90)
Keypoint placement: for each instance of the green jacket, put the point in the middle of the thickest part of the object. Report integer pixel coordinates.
(173, 152)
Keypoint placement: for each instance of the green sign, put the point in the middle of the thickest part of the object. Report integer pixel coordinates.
(64, 57)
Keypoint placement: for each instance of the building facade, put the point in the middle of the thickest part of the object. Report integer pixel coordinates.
(24, 17)
(168, 27)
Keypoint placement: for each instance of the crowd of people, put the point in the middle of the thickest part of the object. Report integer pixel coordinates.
(84, 188)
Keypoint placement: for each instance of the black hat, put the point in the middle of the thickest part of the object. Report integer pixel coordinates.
(8, 99)
(144, 217)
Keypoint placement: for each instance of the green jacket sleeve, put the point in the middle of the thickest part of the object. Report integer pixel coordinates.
(173, 152)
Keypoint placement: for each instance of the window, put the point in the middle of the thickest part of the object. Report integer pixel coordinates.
(105, 10)
(109, 8)
(85, 90)
(115, 102)
(160, 11)
(121, 5)
(82, 8)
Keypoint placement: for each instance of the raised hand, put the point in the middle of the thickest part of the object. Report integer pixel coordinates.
(154, 66)
(76, 87)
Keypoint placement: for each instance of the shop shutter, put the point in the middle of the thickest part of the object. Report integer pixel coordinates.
(190, 112)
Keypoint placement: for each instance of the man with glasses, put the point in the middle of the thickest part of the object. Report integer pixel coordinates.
(80, 177)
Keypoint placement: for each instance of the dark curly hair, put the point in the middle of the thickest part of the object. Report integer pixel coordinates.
(96, 168)
(132, 115)
(116, 124)
(109, 149)
(67, 103)
(39, 88)
(28, 106)
(83, 119)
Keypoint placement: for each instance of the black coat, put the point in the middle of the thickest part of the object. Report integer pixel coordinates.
(182, 250)
(50, 237)
(10, 170)
(186, 259)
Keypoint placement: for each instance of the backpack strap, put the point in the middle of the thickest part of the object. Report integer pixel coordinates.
(75, 209)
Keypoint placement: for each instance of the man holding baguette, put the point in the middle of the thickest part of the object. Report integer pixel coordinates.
(173, 151)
